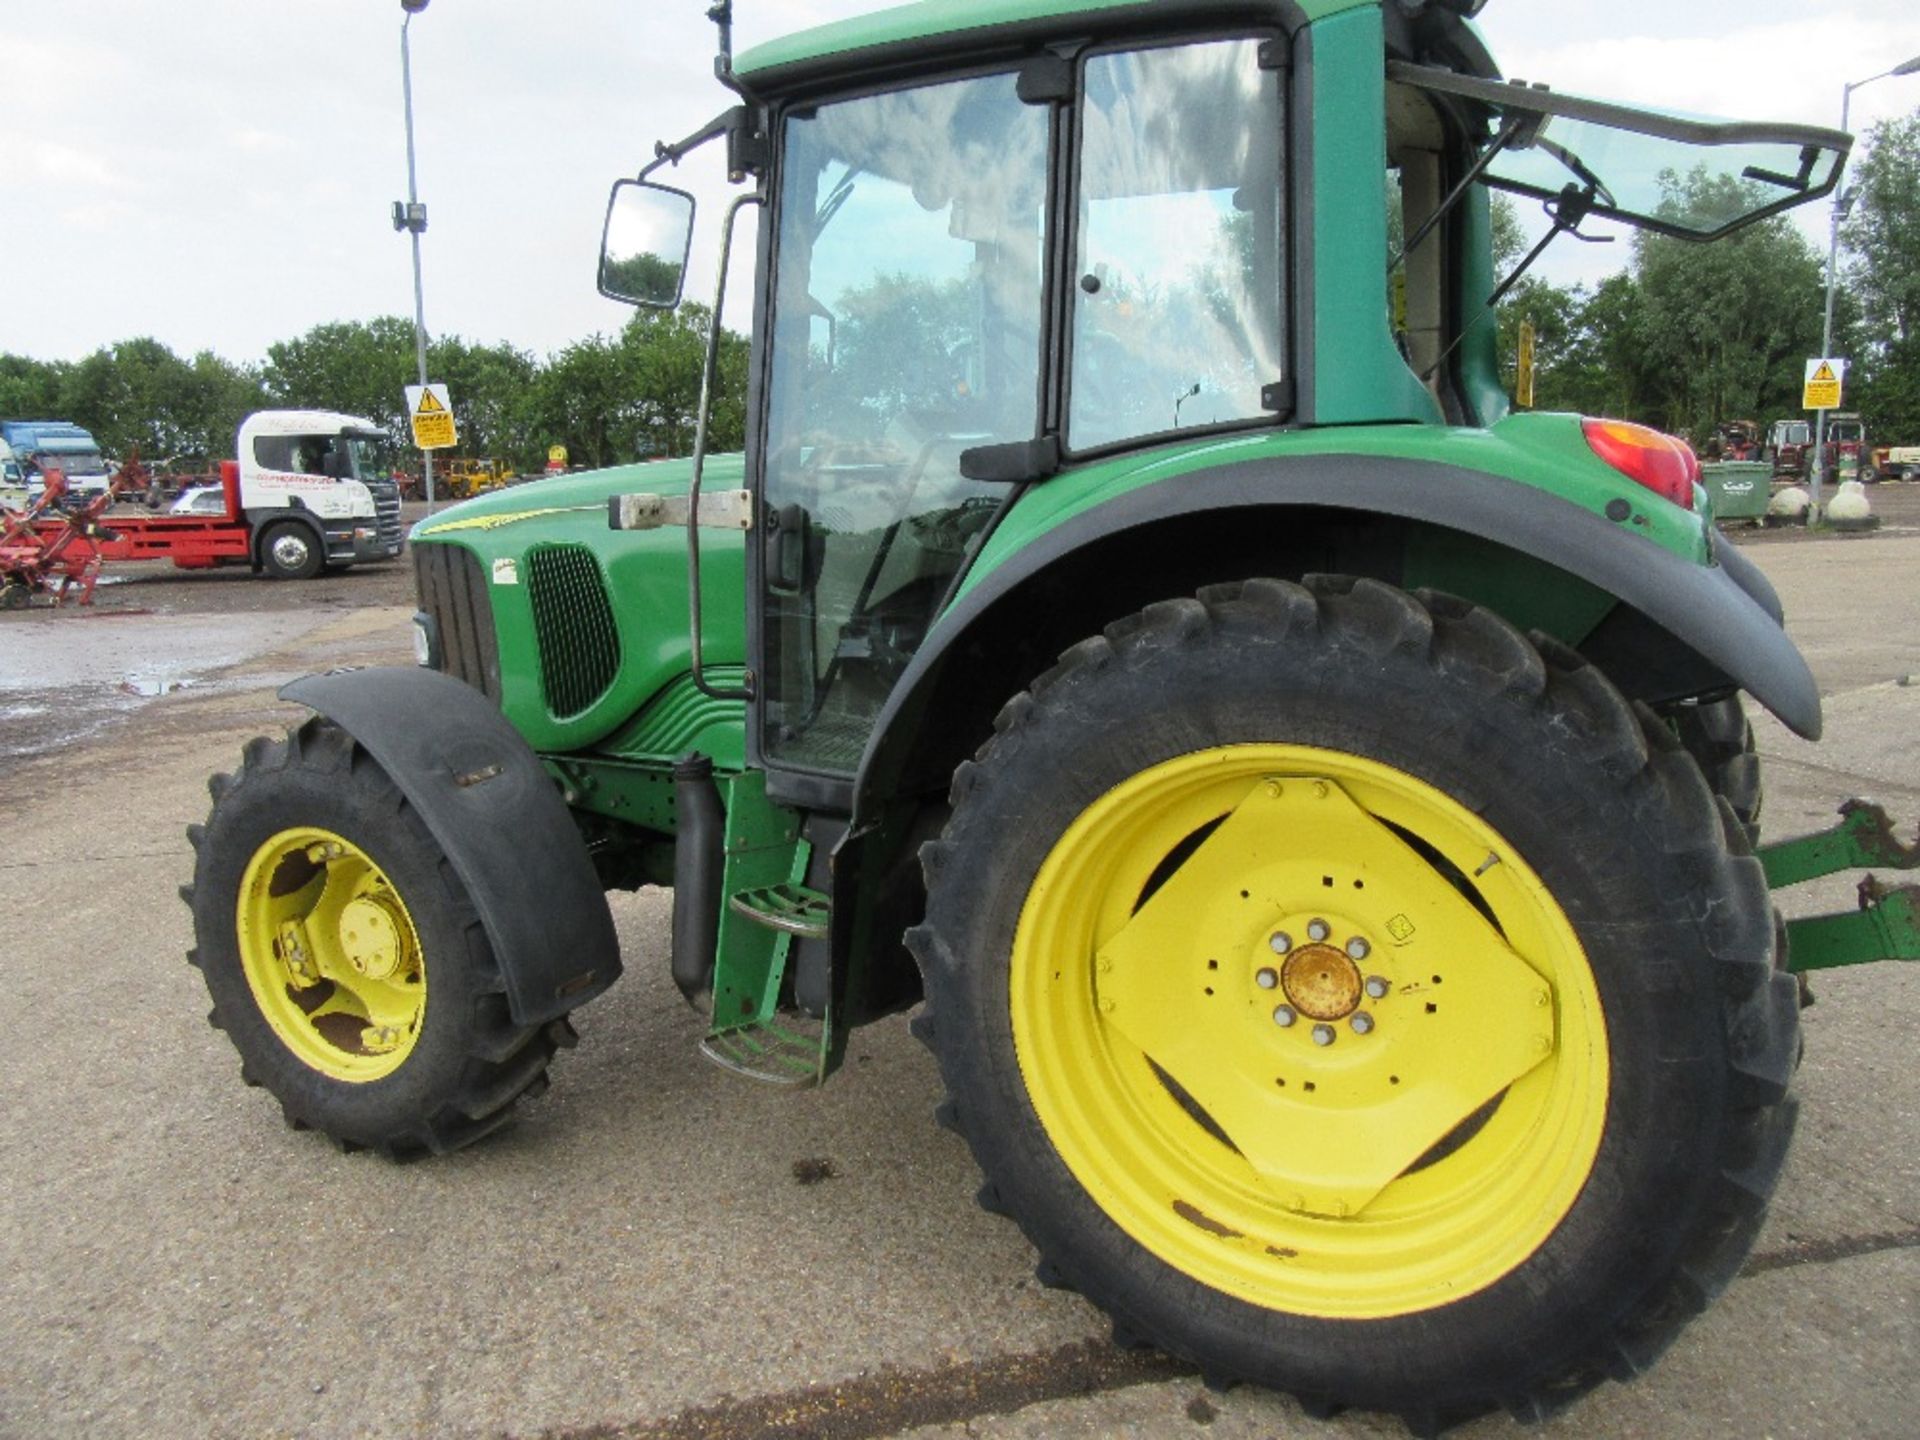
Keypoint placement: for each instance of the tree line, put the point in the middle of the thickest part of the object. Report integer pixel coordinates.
(1687, 336)
(606, 399)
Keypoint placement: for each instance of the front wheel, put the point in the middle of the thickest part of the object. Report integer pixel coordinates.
(291, 551)
(345, 959)
(1354, 997)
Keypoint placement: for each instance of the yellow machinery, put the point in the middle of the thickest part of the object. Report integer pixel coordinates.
(467, 477)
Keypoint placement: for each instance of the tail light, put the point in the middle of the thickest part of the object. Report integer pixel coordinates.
(1666, 466)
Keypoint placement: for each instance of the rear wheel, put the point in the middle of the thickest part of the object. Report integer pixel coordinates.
(291, 551)
(1353, 997)
(1719, 737)
(345, 959)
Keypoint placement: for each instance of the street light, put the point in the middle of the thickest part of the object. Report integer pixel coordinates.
(1842, 202)
(412, 217)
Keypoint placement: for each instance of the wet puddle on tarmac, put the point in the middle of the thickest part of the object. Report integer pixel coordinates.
(64, 679)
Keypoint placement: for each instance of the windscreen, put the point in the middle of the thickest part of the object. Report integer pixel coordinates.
(1684, 175)
(910, 271)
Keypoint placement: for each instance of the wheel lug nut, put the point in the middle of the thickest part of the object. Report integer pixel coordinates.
(1362, 1023)
(1280, 942)
(1283, 1015)
(1358, 949)
(1266, 979)
(1377, 987)
(1318, 930)
(1323, 1034)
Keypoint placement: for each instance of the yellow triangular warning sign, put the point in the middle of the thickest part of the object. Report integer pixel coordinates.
(1822, 375)
(430, 404)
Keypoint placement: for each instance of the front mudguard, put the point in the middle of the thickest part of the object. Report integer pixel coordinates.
(494, 810)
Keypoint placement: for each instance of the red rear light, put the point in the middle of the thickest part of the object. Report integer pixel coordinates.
(1666, 466)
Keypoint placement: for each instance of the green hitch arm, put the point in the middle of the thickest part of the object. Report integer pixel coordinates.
(1887, 924)
(1864, 838)
(1885, 927)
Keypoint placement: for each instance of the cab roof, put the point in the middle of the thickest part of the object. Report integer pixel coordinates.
(931, 20)
(305, 422)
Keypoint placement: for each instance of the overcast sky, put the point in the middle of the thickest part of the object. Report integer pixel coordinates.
(218, 173)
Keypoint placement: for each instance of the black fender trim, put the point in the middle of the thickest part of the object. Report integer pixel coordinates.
(1750, 578)
(1727, 613)
(496, 812)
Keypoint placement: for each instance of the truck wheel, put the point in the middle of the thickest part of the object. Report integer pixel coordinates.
(345, 959)
(290, 551)
(1352, 997)
(1720, 739)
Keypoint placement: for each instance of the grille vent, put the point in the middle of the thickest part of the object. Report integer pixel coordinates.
(454, 592)
(573, 622)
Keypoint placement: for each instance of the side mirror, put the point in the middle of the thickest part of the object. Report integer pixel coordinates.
(643, 252)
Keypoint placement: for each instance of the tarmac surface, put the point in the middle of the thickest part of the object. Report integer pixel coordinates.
(635, 1256)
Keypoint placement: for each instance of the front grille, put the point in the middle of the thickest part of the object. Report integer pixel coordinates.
(573, 622)
(453, 591)
(386, 509)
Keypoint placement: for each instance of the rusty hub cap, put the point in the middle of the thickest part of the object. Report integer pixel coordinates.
(1321, 982)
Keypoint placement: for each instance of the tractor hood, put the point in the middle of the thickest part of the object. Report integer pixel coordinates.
(590, 623)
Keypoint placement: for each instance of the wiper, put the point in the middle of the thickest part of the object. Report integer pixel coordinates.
(1809, 157)
(1512, 133)
(836, 197)
(1567, 211)
(1595, 186)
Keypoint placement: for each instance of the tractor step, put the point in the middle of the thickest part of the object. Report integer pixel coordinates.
(790, 1051)
(1886, 926)
(791, 909)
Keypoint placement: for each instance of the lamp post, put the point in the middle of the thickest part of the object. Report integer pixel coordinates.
(1840, 206)
(412, 217)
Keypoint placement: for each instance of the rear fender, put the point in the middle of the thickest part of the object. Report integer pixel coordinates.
(1718, 626)
(494, 810)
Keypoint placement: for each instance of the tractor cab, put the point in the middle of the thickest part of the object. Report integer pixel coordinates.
(1002, 254)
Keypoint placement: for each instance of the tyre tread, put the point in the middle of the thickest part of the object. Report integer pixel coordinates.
(1725, 895)
(505, 1063)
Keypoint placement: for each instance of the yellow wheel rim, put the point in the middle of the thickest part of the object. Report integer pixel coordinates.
(331, 955)
(1309, 1031)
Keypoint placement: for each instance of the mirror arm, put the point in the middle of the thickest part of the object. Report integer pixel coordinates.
(671, 153)
(707, 376)
(747, 147)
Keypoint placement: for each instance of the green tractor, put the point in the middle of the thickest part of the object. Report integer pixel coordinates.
(1309, 805)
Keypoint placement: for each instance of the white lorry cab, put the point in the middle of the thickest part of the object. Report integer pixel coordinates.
(310, 491)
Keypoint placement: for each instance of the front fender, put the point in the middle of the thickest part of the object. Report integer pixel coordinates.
(495, 812)
(1727, 614)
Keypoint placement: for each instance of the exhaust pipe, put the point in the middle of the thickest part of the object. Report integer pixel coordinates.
(699, 858)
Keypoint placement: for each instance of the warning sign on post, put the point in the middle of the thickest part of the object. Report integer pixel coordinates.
(432, 416)
(1822, 389)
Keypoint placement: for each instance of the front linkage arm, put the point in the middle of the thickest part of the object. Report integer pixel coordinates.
(1887, 924)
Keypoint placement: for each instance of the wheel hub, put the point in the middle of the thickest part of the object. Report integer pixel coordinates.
(370, 938)
(1321, 982)
(331, 955)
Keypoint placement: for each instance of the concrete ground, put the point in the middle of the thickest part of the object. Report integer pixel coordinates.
(635, 1258)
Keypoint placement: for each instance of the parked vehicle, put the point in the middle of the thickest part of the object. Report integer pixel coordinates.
(302, 495)
(467, 476)
(1310, 803)
(1848, 456)
(1733, 440)
(1787, 444)
(1897, 462)
(28, 447)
